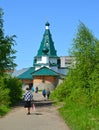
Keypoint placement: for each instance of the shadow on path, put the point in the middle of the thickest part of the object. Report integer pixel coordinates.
(42, 103)
(38, 103)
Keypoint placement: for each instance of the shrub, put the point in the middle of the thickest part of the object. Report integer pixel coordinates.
(15, 87)
(4, 93)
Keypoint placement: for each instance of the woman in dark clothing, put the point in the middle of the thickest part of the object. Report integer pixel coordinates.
(27, 97)
(47, 93)
(36, 90)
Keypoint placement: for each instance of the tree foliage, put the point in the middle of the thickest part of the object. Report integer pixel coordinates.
(82, 83)
(15, 89)
(6, 49)
(4, 93)
(10, 90)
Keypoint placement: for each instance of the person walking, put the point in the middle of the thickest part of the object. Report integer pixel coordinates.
(44, 93)
(27, 97)
(47, 93)
(32, 89)
(36, 89)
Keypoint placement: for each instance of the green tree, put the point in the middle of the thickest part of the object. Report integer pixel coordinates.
(94, 78)
(84, 51)
(4, 93)
(15, 89)
(84, 75)
(81, 85)
(6, 49)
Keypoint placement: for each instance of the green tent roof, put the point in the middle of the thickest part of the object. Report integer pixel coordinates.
(44, 71)
(47, 44)
(27, 74)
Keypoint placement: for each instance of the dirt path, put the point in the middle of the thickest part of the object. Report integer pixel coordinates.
(45, 117)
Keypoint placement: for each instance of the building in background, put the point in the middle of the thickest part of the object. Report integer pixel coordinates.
(48, 69)
(65, 61)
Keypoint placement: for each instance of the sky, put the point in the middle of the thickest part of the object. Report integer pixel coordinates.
(26, 19)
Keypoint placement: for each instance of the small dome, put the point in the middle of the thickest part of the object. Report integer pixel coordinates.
(47, 24)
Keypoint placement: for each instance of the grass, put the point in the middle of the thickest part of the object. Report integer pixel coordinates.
(80, 117)
(4, 110)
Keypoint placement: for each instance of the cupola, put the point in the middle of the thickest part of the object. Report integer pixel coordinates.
(47, 25)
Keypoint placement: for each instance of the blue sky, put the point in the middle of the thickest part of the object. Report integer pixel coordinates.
(26, 19)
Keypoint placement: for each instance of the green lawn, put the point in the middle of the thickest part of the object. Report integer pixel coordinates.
(79, 117)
